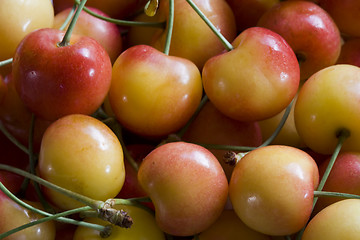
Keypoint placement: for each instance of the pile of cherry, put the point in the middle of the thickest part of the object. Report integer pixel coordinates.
(180, 119)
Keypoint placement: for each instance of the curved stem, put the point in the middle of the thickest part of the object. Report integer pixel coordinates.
(32, 163)
(170, 26)
(124, 22)
(68, 18)
(342, 135)
(116, 127)
(95, 204)
(336, 194)
(182, 131)
(245, 148)
(13, 139)
(134, 202)
(100, 114)
(67, 36)
(38, 211)
(6, 62)
(52, 217)
(224, 41)
(280, 126)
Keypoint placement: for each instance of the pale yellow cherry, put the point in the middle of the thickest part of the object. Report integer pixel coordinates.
(20, 17)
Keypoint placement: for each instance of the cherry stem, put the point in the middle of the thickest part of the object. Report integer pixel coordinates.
(223, 40)
(117, 217)
(68, 18)
(124, 22)
(59, 218)
(49, 218)
(95, 204)
(170, 25)
(13, 139)
(280, 126)
(118, 201)
(183, 130)
(234, 158)
(116, 127)
(67, 36)
(32, 163)
(6, 62)
(336, 194)
(134, 202)
(100, 114)
(342, 135)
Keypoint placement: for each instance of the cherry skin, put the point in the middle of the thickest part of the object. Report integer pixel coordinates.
(309, 30)
(113, 8)
(187, 186)
(288, 134)
(18, 19)
(131, 187)
(248, 12)
(191, 37)
(153, 94)
(82, 154)
(212, 127)
(328, 103)
(229, 226)
(14, 215)
(272, 189)
(106, 33)
(343, 178)
(350, 52)
(254, 81)
(344, 14)
(338, 221)
(16, 117)
(57, 81)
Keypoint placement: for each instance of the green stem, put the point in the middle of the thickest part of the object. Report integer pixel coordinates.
(49, 218)
(224, 41)
(170, 26)
(67, 36)
(124, 22)
(115, 126)
(32, 163)
(280, 126)
(38, 211)
(6, 62)
(68, 18)
(95, 204)
(13, 139)
(183, 130)
(100, 114)
(134, 202)
(342, 135)
(336, 194)
(245, 148)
